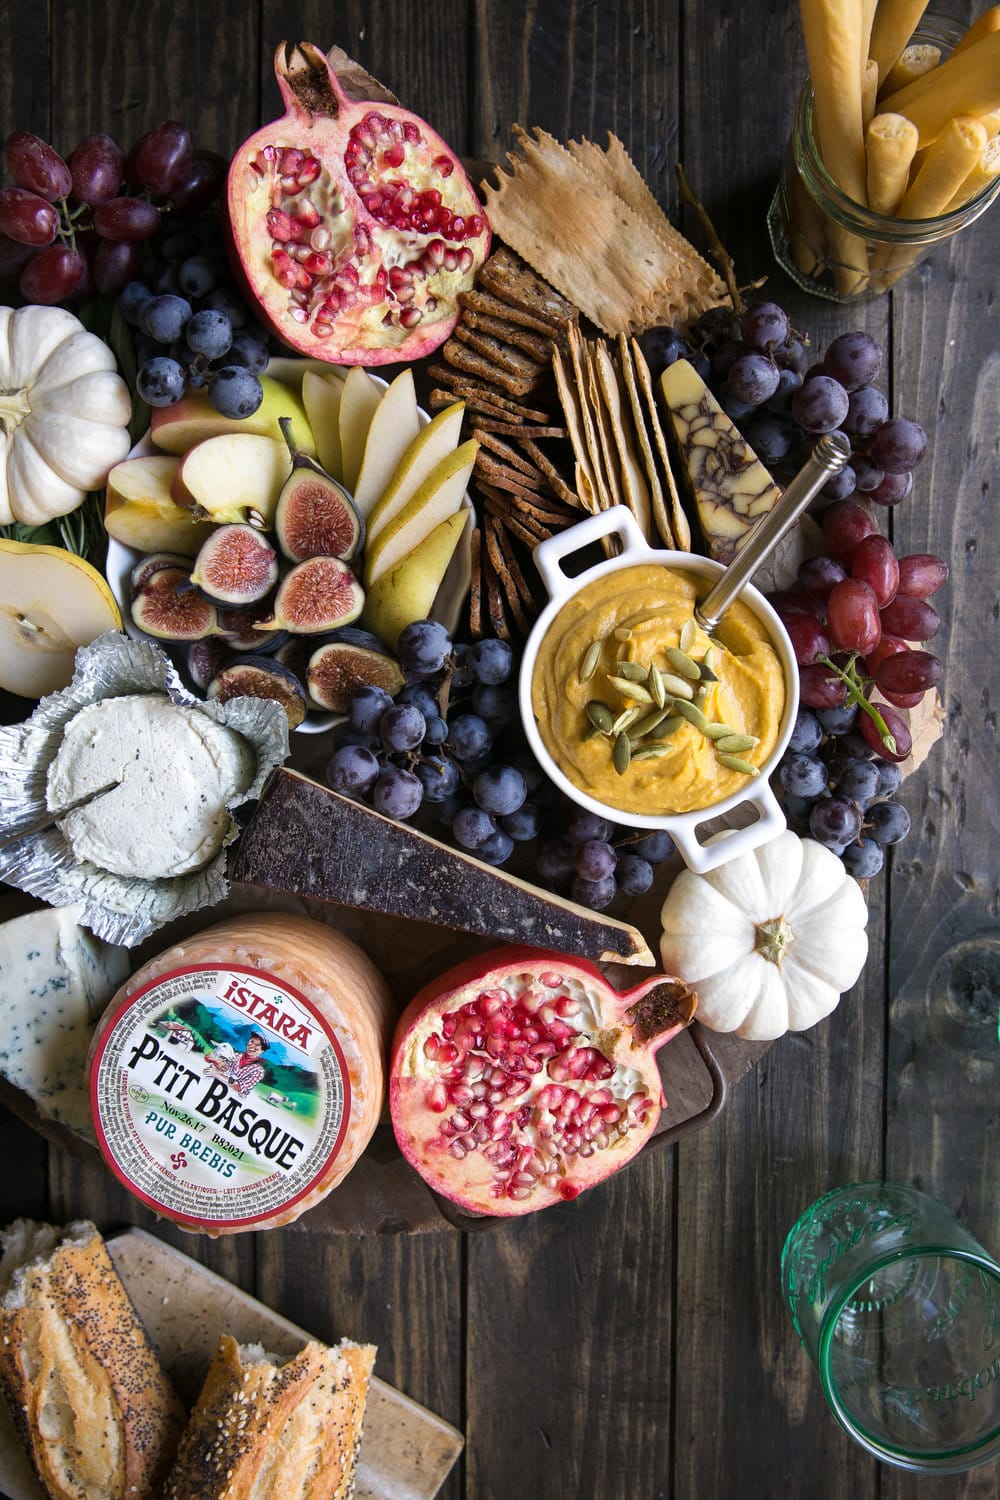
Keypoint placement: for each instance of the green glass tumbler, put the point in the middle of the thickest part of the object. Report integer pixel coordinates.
(898, 1307)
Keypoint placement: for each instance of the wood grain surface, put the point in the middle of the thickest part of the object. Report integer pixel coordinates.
(634, 1344)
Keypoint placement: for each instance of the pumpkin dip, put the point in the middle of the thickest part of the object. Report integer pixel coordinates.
(634, 616)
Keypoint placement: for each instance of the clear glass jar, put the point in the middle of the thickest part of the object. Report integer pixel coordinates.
(833, 247)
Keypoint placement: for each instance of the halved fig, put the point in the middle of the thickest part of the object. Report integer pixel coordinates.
(205, 659)
(261, 677)
(167, 608)
(236, 566)
(243, 632)
(315, 516)
(316, 595)
(152, 563)
(337, 669)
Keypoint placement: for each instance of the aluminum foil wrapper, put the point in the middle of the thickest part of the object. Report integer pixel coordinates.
(120, 909)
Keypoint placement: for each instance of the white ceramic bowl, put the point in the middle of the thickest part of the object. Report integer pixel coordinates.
(683, 828)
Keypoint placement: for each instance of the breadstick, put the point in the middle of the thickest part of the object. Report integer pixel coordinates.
(895, 23)
(869, 89)
(891, 141)
(967, 83)
(987, 23)
(833, 32)
(914, 62)
(980, 178)
(953, 155)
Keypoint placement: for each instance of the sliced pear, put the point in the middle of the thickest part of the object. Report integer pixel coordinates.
(234, 477)
(51, 604)
(438, 497)
(395, 425)
(175, 429)
(321, 398)
(358, 405)
(291, 370)
(407, 591)
(432, 444)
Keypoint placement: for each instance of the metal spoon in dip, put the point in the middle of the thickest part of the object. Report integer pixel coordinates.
(828, 457)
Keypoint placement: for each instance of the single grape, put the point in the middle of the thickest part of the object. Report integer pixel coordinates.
(524, 823)
(472, 826)
(874, 561)
(790, 603)
(854, 359)
(835, 821)
(469, 737)
(841, 484)
(496, 849)
(736, 411)
(820, 404)
(896, 726)
(716, 324)
(497, 705)
(807, 732)
(401, 727)
(764, 325)
(439, 776)
(126, 219)
(499, 790)
(909, 672)
(353, 770)
(368, 704)
(792, 355)
(889, 645)
(898, 445)
(866, 476)
(422, 697)
(891, 489)
(582, 826)
(163, 279)
(96, 165)
(863, 859)
(662, 347)
(797, 811)
(753, 379)
(820, 688)
(769, 438)
(200, 185)
(838, 721)
(447, 811)
(423, 646)
(116, 262)
(901, 700)
(858, 780)
(197, 275)
(725, 355)
(250, 349)
(160, 381)
(160, 160)
(789, 381)
(913, 619)
(27, 218)
(595, 860)
(595, 894)
(867, 409)
(803, 775)
(809, 641)
(491, 661)
(888, 822)
(556, 860)
(890, 777)
(436, 731)
(132, 300)
(397, 793)
(235, 391)
(921, 574)
(209, 333)
(654, 847)
(52, 275)
(633, 875)
(224, 300)
(37, 166)
(819, 574)
(165, 318)
(845, 523)
(852, 616)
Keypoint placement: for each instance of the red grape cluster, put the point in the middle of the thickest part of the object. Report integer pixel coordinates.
(73, 226)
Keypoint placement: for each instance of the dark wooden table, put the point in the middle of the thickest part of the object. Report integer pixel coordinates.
(635, 1344)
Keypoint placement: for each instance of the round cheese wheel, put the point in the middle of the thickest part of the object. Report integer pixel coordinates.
(237, 1077)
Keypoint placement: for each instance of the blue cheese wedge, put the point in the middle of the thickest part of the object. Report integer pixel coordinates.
(177, 771)
(55, 980)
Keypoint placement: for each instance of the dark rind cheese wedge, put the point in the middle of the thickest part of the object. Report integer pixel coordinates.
(306, 839)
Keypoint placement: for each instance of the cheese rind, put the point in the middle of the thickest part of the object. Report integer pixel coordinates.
(55, 980)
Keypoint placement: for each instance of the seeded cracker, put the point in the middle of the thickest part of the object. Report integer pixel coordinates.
(634, 486)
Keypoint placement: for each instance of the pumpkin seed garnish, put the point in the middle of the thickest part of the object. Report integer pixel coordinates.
(633, 671)
(688, 632)
(589, 664)
(666, 727)
(654, 682)
(732, 744)
(701, 696)
(707, 667)
(734, 763)
(677, 687)
(622, 754)
(650, 752)
(633, 690)
(626, 719)
(693, 715)
(623, 633)
(647, 724)
(717, 731)
(682, 663)
(600, 716)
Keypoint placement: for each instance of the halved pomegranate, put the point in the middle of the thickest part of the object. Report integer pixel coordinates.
(354, 225)
(521, 1077)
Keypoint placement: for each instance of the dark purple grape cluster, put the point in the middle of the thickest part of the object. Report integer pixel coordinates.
(838, 791)
(450, 745)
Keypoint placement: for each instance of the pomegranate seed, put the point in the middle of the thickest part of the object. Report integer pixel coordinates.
(466, 259)
(362, 133)
(435, 253)
(477, 1108)
(458, 227)
(462, 1095)
(550, 1097)
(431, 1046)
(474, 226)
(450, 260)
(520, 1193)
(448, 1053)
(280, 225)
(320, 238)
(601, 1067)
(287, 276)
(411, 133)
(394, 156)
(376, 122)
(567, 1006)
(442, 220)
(309, 171)
(437, 1098)
(493, 1001)
(362, 239)
(496, 1096)
(300, 315)
(399, 277)
(458, 1150)
(448, 1025)
(372, 202)
(316, 264)
(461, 1121)
(444, 165)
(357, 176)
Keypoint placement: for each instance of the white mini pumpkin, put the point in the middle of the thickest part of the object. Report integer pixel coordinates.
(770, 940)
(64, 413)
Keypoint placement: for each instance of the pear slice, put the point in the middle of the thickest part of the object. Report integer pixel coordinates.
(232, 478)
(432, 444)
(394, 427)
(438, 497)
(321, 398)
(51, 603)
(407, 591)
(358, 404)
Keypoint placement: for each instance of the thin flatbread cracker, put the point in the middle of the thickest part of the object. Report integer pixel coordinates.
(584, 441)
(605, 437)
(553, 477)
(634, 487)
(679, 521)
(658, 505)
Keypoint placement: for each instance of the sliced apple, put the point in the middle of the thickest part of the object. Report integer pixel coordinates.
(407, 591)
(358, 404)
(234, 477)
(51, 604)
(431, 445)
(395, 425)
(321, 398)
(175, 429)
(149, 528)
(438, 497)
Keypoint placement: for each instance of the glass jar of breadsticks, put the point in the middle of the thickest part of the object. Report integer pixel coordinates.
(927, 158)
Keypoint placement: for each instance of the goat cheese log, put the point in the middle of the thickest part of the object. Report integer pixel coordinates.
(264, 1429)
(92, 1406)
(237, 1077)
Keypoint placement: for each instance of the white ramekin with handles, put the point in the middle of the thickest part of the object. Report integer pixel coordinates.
(683, 828)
